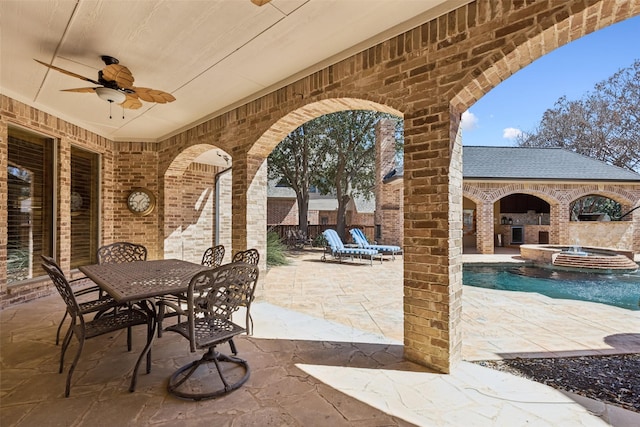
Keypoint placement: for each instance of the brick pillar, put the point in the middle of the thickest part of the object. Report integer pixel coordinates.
(433, 237)
(559, 214)
(63, 214)
(636, 230)
(387, 213)
(484, 228)
(249, 228)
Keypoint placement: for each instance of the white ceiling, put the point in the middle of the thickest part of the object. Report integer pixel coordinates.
(211, 55)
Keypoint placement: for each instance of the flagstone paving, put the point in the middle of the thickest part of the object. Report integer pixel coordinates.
(327, 350)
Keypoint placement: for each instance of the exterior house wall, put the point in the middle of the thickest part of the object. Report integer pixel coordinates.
(429, 75)
(282, 212)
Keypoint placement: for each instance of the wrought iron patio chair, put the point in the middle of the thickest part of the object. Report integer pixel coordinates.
(121, 252)
(98, 303)
(86, 329)
(212, 298)
(250, 256)
(212, 257)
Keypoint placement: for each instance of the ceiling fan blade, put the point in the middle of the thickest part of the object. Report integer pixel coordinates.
(132, 102)
(68, 73)
(119, 74)
(153, 95)
(80, 89)
(260, 2)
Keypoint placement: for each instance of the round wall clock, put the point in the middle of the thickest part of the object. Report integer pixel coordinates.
(76, 201)
(141, 201)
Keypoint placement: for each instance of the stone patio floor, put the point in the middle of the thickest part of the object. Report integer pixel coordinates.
(327, 351)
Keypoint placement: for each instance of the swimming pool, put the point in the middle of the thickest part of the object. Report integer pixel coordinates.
(621, 290)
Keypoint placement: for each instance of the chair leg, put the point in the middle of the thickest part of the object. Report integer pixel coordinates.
(160, 317)
(145, 351)
(249, 323)
(65, 345)
(232, 345)
(73, 366)
(60, 327)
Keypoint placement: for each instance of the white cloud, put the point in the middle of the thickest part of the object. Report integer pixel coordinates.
(511, 133)
(469, 121)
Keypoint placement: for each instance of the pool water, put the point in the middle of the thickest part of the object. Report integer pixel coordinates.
(620, 290)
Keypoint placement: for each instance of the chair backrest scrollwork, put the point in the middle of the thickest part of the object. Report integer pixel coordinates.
(121, 252)
(250, 256)
(213, 256)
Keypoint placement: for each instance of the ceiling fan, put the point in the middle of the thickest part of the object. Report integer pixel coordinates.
(116, 85)
(260, 2)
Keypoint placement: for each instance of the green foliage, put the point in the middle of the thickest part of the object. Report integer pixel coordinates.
(294, 161)
(320, 241)
(276, 250)
(334, 153)
(595, 204)
(604, 124)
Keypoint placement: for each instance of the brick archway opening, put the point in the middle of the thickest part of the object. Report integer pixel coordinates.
(196, 202)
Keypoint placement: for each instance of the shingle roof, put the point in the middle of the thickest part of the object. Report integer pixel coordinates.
(537, 163)
(318, 202)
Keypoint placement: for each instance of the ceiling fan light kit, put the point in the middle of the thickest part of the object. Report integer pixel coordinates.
(111, 95)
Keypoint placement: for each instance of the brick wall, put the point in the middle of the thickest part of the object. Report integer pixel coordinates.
(389, 213)
(282, 212)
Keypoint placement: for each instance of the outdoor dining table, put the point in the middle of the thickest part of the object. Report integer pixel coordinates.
(141, 282)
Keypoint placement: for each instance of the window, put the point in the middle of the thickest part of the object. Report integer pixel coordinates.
(85, 168)
(30, 178)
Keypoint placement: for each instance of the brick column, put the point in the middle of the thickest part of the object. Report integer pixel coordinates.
(484, 228)
(433, 238)
(388, 210)
(63, 194)
(249, 219)
(560, 224)
(636, 231)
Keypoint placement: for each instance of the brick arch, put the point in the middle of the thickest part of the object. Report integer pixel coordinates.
(553, 32)
(432, 73)
(307, 112)
(255, 192)
(549, 195)
(620, 195)
(188, 198)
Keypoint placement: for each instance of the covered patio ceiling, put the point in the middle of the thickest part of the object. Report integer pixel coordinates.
(210, 55)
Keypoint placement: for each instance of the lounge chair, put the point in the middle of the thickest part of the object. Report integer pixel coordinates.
(362, 242)
(339, 250)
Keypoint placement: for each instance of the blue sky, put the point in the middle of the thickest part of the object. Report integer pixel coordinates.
(517, 104)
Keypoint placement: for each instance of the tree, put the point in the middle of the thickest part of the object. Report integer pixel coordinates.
(294, 161)
(348, 150)
(604, 124)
